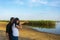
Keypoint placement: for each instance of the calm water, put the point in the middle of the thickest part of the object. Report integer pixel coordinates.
(55, 30)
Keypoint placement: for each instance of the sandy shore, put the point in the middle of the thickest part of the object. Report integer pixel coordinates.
(29, 34)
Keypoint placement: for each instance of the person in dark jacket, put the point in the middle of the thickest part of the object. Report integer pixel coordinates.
(9, 28)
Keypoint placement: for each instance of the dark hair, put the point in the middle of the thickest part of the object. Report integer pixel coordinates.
(9, 26)
(12, 18)
(15, 21)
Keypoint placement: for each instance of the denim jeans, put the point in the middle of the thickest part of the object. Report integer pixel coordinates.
(15, 38)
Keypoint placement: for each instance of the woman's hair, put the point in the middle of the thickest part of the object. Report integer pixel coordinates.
(15, 21)
(12, 18)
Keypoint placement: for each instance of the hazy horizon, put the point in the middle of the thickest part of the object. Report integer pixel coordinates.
(30, 9)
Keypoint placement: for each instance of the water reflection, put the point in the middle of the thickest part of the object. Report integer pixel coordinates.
(42, 24)
(45, 26)
(53, 29)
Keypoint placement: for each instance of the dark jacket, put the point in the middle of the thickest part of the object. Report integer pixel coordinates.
(9, 28)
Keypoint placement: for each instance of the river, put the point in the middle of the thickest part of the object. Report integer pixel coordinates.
(55, 30)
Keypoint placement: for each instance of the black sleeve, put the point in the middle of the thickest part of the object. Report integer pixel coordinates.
(7, 28)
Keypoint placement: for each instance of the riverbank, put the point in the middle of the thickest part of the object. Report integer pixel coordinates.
(29, 34)
(35, 35)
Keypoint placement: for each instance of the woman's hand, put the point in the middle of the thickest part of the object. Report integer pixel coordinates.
(17, 26)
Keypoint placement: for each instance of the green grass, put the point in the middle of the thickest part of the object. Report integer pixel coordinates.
(37, 23)
(4, 20)
(42, 23)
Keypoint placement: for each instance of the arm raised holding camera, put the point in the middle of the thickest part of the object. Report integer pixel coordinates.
(19, 26)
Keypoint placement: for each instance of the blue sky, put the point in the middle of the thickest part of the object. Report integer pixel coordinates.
(30, 9)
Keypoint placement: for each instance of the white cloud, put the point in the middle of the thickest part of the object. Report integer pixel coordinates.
(34, 0)
(42, 2)
(39, 1)
(36, 3)
(55, 3)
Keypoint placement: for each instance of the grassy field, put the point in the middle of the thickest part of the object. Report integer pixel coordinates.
(42, 24)
(28, 34)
